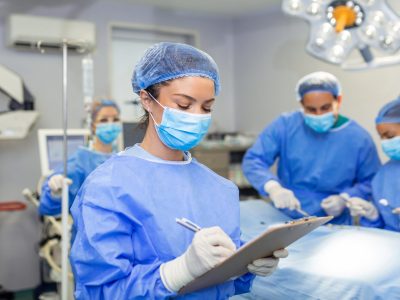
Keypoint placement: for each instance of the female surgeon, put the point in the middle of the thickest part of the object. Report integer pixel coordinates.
(384, 211)
(105, 128)
(128, 243)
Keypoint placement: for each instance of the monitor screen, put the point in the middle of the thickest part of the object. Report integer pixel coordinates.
(55, 148)
(51, 146)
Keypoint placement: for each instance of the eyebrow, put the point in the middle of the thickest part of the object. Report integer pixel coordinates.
(312, 107)
(193, 99)
(385, 133)
(388, 132)
(106, 117)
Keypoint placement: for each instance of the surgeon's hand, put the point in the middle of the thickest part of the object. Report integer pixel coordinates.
(362, 208)
(281, 197)
(266, 266)
(334, 205)
(396, 211)
(55, 184)
(210, 246)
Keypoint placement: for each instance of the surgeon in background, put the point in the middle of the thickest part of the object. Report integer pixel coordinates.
(105, 127)
(128, 244)
(384, 211)
(323, 157)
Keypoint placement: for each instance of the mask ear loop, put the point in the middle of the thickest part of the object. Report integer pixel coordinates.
(150, 113)
(152, 97)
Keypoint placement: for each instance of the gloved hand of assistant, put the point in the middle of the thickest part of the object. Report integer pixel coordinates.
(396, 211)
(334, 205)
(210, 246)
(266, 266)
(281, 197)
(55, 184)
(362, 208)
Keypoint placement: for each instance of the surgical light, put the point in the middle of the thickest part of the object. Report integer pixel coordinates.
(339, 27)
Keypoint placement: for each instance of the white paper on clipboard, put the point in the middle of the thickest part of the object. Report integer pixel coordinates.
(274, 238)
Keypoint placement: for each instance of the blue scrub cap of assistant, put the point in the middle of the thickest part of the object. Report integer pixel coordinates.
(99, 104)
(166, 61)
(318, 82)
(389, 113)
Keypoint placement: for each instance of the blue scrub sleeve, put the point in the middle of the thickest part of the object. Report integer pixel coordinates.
(244, 282)
(50, 205)
(104, 262)
(262, 155)
(368, 164)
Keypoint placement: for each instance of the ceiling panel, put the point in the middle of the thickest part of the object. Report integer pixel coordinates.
(231, 8)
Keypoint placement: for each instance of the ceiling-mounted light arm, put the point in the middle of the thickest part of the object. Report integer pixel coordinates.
(377, 62)
(366, 53)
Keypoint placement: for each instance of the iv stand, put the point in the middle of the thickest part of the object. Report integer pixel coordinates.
(65, 190)
(81, 47)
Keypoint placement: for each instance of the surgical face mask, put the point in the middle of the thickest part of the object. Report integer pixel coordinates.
(108, 132)
(179, 130)
(391, 147)
(320, 123)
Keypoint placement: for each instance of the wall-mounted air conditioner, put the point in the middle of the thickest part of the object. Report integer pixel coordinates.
(43, 33)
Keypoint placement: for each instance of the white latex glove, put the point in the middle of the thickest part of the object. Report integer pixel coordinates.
(281, 197)
(396, 211)
(266, 266)
(210, 246)
(55, 184)
(363, 208)
(334, 205)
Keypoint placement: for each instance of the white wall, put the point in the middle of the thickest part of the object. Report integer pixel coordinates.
(42, 73)
(270, 58)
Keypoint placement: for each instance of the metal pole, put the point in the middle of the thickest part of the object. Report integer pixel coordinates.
(65, 202)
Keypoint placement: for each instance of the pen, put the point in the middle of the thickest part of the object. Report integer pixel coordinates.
(302, 212)
(188, 224)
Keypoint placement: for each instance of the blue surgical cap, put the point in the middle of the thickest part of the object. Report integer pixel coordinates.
(166, 61)
(390, 113)
(98, 105)
(318, 82)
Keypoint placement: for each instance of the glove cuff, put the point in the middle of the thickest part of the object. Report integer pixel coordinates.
(271, 185)
(175, 274)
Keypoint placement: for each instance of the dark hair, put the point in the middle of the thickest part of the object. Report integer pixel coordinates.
(154, 90)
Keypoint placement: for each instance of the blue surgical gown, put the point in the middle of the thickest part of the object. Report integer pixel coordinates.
(386, 185)
(313, 165)
(125, 221)
(79, 166)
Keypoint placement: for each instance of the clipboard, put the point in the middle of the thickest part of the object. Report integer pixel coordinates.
(274, 238)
